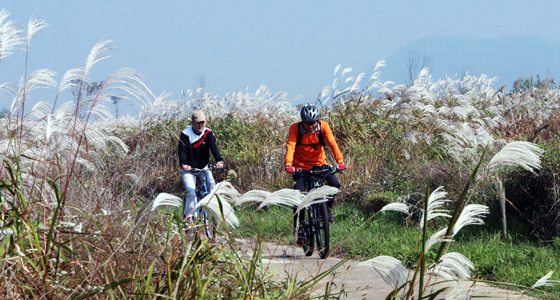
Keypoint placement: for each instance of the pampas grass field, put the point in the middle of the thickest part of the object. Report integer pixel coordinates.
(77, 185)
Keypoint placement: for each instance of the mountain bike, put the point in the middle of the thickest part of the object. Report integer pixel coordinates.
(315, 221)
(209, 224)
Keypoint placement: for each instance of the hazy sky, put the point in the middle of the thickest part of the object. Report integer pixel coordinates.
(290, 46)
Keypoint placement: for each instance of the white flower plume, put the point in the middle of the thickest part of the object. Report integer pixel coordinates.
(283, 197)
(163, 199)
(226, 191)
(319, 195)
(524, 154)
(454, 266)
(215, 204)
(437, 237)
(253, 196)
(544, 281)
(435, 203)
(396, 206)
(392, 270)
(472, 214)
(10, 35)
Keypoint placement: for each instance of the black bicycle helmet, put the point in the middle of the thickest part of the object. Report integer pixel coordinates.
(310, 113)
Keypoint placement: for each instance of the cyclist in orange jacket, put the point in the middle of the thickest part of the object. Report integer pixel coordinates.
(305, 149)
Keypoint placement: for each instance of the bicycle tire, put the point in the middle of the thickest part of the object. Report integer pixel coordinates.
(309, 232)
(209, 225)
(322, 229)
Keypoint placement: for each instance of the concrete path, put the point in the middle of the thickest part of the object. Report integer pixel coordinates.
(353, 281)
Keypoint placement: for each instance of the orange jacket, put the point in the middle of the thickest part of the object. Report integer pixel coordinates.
(305, 157)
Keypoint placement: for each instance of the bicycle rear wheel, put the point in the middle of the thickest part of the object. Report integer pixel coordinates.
(322, 230)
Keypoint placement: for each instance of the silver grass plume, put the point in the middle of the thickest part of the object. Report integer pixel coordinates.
(472, 214)
(376, 73)
(284, 197)
(88, 104)
(95, 55)
(54, 130)
(42, 78)
(67, 81)
(214, 204)
(518, 153)
(345, 71)
(335, 84)
(544, 281)
(454, 266)
(435, 203)
(437, 237)
(319, 195)
(393, 272)
(226, 191)
(337, 69)
(131, 82)
(356, 85)
(10, 35)
(253, 196)
(33, 27)
(396, 206)
(163, 199)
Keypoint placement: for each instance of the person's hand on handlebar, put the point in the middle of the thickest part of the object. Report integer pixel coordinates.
(290, 169)
(220, 165)
(187, 168)
(341, 166)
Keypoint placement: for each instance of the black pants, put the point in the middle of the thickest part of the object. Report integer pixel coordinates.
(301, 184)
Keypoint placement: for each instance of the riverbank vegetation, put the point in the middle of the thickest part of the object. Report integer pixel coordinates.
(76, 184)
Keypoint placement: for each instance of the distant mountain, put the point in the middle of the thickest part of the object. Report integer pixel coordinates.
(507, 58)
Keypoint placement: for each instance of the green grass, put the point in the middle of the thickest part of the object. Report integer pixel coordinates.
(518, 261)
(271, 224)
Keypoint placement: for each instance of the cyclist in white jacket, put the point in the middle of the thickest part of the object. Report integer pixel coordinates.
(195, 145)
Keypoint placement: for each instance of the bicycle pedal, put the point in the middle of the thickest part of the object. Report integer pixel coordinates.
(330, 217)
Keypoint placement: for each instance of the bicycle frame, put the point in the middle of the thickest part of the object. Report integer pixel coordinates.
(201, 192)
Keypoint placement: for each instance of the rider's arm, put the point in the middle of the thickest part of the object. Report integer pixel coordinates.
(331, 141)
(291, 145)
(214, 148)
(182, 150)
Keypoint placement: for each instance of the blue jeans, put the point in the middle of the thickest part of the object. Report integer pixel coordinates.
(189, 180)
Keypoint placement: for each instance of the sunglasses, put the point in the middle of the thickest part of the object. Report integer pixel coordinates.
(310, 124)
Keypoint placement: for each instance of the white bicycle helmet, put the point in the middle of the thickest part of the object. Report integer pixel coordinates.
(310, 113)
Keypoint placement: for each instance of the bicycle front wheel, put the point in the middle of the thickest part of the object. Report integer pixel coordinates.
(309, 232)
(209, 225)
(322, 230)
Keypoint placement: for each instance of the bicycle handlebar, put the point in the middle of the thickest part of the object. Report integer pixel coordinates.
(210, 167)
(329, 169)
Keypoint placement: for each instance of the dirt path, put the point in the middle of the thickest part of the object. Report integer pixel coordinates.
(357, 282)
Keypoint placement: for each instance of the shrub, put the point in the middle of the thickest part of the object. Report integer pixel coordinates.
(535, 201)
